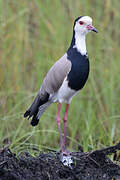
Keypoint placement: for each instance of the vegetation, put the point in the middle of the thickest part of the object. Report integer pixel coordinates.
(33, 35)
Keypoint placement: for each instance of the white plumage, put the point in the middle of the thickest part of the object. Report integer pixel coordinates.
(64, 94)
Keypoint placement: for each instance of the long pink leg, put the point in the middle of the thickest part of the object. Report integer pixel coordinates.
(65, 123)
(58, 124)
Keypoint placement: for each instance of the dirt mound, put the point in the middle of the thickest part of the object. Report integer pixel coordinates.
(87, 166)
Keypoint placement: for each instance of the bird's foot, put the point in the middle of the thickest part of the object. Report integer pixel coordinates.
(66, 158)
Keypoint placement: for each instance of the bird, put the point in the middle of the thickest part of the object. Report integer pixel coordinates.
(65, 78)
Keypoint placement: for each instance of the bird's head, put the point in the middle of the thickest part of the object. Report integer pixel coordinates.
(83, 25)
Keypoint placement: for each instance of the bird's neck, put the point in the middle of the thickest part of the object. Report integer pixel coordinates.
(78, 42)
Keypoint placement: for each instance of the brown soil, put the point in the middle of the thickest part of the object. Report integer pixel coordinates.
(93, 165)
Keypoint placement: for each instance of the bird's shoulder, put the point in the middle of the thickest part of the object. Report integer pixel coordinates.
(63, 64)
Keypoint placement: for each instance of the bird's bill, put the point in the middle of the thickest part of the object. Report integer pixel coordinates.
(92, 28)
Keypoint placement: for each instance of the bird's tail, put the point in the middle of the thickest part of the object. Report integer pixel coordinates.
(37, 109)
(41, 110)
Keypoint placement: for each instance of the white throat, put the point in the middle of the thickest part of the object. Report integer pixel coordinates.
(80, 43)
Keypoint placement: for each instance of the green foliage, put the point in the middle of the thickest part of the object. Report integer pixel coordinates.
(33, 35)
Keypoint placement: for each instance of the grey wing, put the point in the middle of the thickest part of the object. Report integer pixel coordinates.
(51, 84)
(56, 76)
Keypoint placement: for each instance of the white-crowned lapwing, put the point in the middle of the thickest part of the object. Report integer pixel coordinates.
(65, 78)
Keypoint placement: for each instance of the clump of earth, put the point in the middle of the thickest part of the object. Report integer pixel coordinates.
(95, 165)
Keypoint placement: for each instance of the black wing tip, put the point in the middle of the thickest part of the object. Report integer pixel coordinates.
(34, 121)
(27, 113)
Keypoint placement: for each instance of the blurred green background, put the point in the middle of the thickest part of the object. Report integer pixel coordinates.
(33, 35)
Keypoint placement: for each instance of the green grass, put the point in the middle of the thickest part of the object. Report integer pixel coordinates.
(33, 35)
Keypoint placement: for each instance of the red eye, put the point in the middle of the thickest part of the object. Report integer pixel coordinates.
(81, 22)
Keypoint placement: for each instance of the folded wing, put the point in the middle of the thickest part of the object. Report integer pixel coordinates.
(51, 84)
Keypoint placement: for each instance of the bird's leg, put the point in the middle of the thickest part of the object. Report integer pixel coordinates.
(65, 157)
(59, 128)
(65, 123)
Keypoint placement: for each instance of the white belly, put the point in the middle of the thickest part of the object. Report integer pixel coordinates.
(64, 94)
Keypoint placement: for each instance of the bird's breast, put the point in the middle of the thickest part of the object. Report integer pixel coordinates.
(79, 72)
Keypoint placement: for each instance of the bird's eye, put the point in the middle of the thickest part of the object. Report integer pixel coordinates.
(81, 22)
